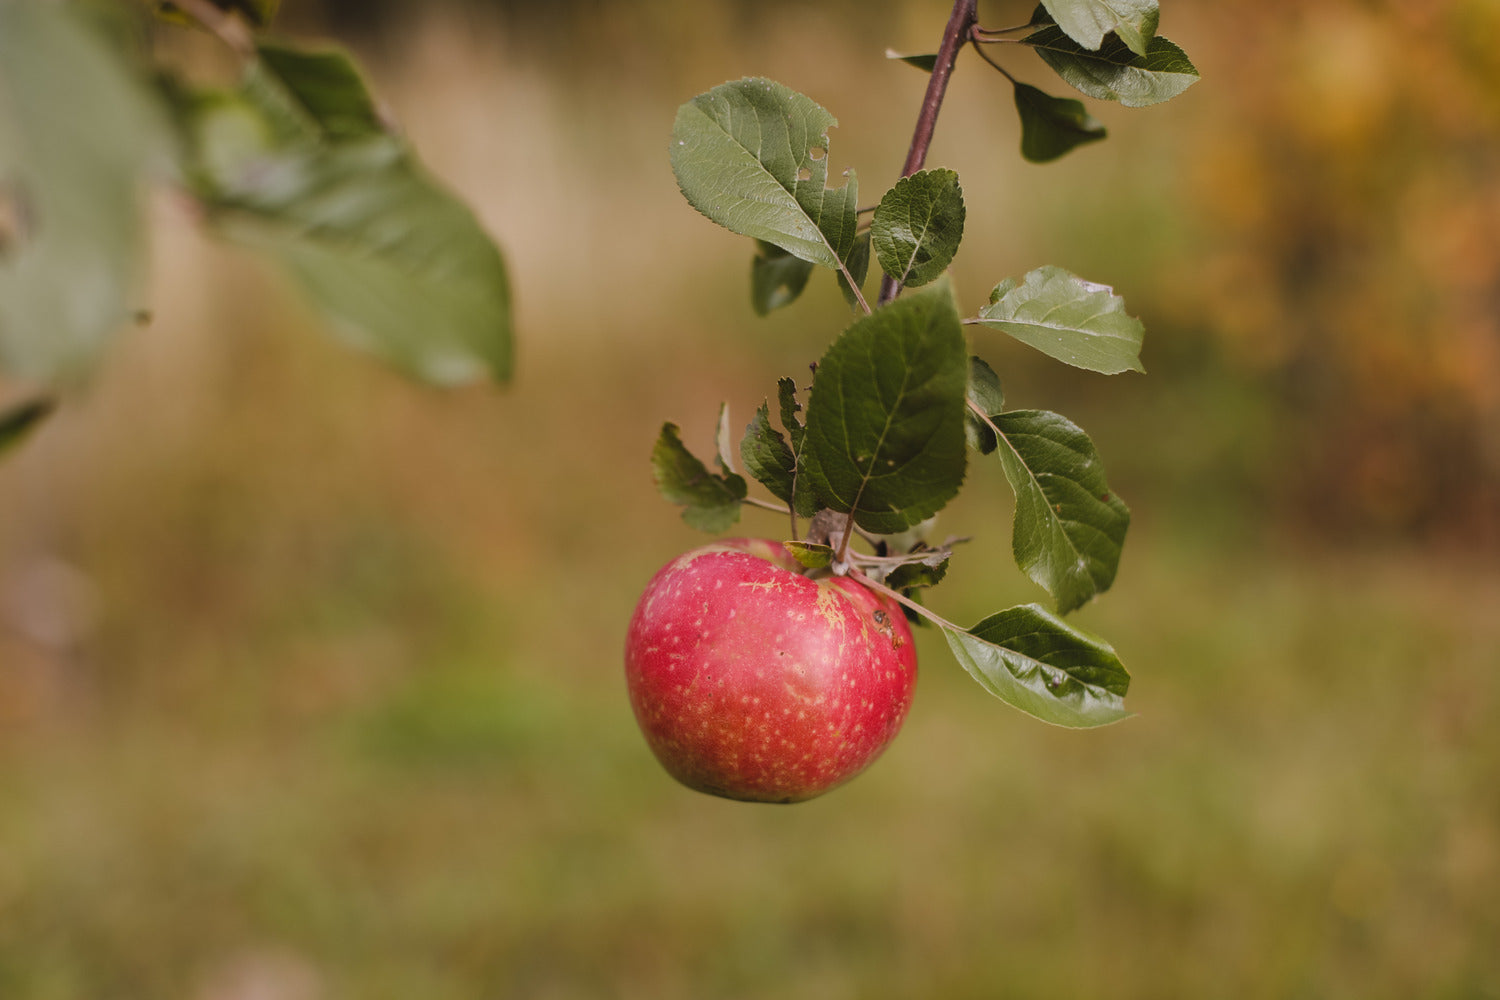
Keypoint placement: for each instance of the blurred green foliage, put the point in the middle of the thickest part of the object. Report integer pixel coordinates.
(311, 682)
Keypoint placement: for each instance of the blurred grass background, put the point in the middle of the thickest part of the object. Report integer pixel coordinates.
(310, 679)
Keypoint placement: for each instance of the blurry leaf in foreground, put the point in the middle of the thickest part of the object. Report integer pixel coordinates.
(77, 132)
(19, 421)
(295, 164)
(258, 13)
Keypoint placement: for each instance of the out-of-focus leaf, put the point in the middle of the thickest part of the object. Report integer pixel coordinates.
(1069, 526)
(18, 422)
(752, 155)
(918, 226)
(78, 131)
(1078, 322)
(711, 502)
(323, 86)
(926, 62)
(1051, 126)
(776, 277)
(1114, 72)
(885, 425)
(1088, 21)
(259, 13)
(1041, 665)
(298, 167)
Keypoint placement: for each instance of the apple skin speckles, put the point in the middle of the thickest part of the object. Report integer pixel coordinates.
(753, 682)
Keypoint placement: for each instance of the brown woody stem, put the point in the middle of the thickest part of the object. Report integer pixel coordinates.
(964, 17)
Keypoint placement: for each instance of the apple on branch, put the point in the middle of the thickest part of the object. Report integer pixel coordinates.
(754, 681)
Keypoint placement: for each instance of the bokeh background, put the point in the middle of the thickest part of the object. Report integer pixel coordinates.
(310, 678)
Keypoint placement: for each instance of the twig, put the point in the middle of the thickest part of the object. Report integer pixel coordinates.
(976, 41)
(964, 17)
(902, 599)
(221, 24)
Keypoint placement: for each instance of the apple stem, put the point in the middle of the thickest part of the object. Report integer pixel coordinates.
(903, 600)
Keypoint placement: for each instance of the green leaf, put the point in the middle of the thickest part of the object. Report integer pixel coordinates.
(858, 265)
(1065, 317)
(712, 501)
(18, 422)
(786, 394)
(1051, 126)
(918, 226)
(78, 131)
(724, 440)
(291, 166)
(1088, 21)
(752, 155)
(885, 438)
(1036, 662)
(926, 62)
(928, 572)
(771, 461)
(776, 278)
(810, 554)
(767, 458)
(1114, 73)
(1069, 526)
(985, 393)
(323, 87)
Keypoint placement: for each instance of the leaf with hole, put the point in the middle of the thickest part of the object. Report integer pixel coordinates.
(1069, 525)
(752, 155)
(918, 226)
(1114, 72)
(885, 424)
(711, 502)
(1088, 21)
(1078, 322)
(1038, 663)
(1052, 126)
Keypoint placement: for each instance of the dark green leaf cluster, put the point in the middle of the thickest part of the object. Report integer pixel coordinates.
(296, 162)
(896, 401)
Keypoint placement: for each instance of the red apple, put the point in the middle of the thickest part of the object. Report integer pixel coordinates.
(755, 682)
